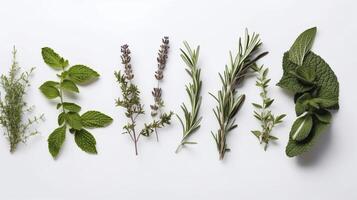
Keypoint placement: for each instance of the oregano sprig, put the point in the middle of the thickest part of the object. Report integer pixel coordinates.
(160, 118)
(227, 98)
(69, 116)
(191, 120)
(263, 113)
(13, 105)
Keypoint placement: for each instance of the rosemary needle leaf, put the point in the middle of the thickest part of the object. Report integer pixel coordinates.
(191, 120)
(229, 102)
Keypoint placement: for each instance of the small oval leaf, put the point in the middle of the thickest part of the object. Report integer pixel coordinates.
(301, 128)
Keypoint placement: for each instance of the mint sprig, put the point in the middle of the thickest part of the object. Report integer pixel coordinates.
(69, 117)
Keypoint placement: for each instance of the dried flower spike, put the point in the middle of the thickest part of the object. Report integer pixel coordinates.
(191, 122)
(156, 108)
(13, 106)
(263, 113)
(228, 100)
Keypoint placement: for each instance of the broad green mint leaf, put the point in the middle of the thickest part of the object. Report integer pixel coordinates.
(73, 120)
(61, 118)
(301, 128)
(302, 46)
(301, 104)
(52, 59)
(85, 141)
(81, 74)
(295, 148)
(71, 107)
(69, 86)
(289, 81)
(55, 140)
(323, 116)
(49, 90)
(95, 119)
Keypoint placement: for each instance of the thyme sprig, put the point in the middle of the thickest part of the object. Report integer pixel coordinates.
(13, 106)
(130, 97)
(227, 98)
(191, 119)
(160, 119)
(267, 120)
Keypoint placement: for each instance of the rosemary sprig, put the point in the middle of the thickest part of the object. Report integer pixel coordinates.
(13, 106)
(267, 120)
(130, 96)
(191, 122)
(227, 98)
(160, 119)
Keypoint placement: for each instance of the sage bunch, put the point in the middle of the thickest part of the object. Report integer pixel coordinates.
(69, 117)
(316, 91)
(263, 113)
(13, 106)
(228, 100)
(191, 120)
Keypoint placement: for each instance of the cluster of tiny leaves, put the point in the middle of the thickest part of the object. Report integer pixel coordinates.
(263, 113)
(191, 120)
(13, 105)
(69, 116)
(229, 102)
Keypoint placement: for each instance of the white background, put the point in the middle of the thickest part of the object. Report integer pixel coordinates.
(91, 33)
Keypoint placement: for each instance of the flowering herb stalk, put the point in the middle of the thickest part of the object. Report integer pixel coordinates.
(130, 96)
(13, 106)
(227, 98)
(160, 118)
(191, 119)
(263, 113)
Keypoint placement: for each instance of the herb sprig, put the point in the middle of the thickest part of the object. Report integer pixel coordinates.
(263, 113)
(228, 100)
(130, 97)
(13, 105)
(160, 118)
(191, 120)
(69, 116)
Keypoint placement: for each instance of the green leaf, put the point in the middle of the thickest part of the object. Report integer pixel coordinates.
(49, 90)
(71, 107)
(69, 86)
(323, 116)
(61, 118)
(295, 148)
(95, 119)
(55, 140)
(302, 46)
(301, 128)
(85, 141)
(301, 103)
(52, 59)
(74, 120)
(81, 74)
(326, 80)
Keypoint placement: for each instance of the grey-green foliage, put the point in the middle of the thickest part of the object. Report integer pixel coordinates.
(191, 120)
(316, 90)
(262, 110)
(13, 106)
(228, 100)
(69, 116)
